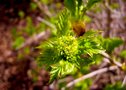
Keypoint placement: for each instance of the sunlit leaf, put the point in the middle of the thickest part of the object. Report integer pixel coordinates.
(92, 2)
(111, 43)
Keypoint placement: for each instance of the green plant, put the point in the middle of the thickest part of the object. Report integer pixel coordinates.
(65, 53)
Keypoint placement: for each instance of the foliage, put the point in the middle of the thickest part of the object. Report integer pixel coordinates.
(18, 42)
(91, 3)
(123, 54)
(65, 50)
(111, 43)
(77, 8)
(61, 69)
(27, 31)
(83, 85)
(71, 49)
(63, 24)
(116, 86)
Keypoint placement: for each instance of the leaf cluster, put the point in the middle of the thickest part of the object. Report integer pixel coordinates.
(116, 86)
(65, 53)
(109, 44)
(78, 9)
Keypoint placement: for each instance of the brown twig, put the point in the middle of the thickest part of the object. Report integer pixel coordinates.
(111, 60)
(97, 72)
(44, 8)
(46, 22)
(109, 20)
(124, 81)
(41, 36)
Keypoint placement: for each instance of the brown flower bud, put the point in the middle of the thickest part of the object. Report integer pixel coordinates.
(79, 28)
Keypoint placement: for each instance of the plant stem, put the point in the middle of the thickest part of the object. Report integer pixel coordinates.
(99, 71)
(124, 81)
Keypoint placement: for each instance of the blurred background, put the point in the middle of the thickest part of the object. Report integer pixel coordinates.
(25, 24)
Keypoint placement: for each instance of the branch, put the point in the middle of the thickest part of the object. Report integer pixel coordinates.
(41, 36)
(111, 60)
(99, 71)
(46, 22)
(43, 9)
(112, 10)
(124, 81)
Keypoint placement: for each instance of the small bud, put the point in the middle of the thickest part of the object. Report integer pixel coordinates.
(79, 28)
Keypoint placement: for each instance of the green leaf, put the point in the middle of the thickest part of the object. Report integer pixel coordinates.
(61, 69)
(76, 9)
(33, 6)
(87, 19)
(91, 3)
(30, 28)
(21, 14)
(90, 43)
(117, 86)
(111, 43)
(80, 2)
(123, 54)
(114, 5)
(71, 5)
(83, 85)
(18, 42)
(63, 24)
(49, 55)
(62, 48)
